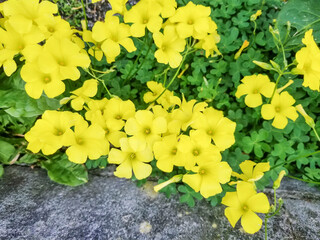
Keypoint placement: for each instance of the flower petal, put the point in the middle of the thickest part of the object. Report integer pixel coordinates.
(250, 222)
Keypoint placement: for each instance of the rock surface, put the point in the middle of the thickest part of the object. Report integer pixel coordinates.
(33, 207)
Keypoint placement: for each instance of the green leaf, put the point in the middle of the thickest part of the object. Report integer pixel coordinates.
(303, 15)
(62, 171)
(6, 151)
(28, 158)
(1, 170)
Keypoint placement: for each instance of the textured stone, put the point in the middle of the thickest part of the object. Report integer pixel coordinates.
(33, 207)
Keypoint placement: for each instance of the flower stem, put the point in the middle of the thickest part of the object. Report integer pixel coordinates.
(137, 59)
(100, 80)
(315, 132)
(275, 87)
(304, 180)
(84, 12)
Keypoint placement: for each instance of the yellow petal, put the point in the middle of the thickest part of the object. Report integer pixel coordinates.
(245, 191)
(141, 170)
(193, 180)
(267, 111)
(259, 203)
(250, 222)
(124, 170)
(231, 200)
(253, 100)
(233, 214)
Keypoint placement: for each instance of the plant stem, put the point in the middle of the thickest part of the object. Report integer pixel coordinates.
(265, 228)
(303, 180)
(275, 87)
(137, 59)
(315, 132)
(100, 80)
(84, 12)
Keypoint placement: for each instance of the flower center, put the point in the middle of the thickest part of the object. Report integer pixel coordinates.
(58, 132)
(118, 117)
(255, 91)
(145, 21)
(147, 131)
(196, 152)
(202, 171)
(245, 208)
(210, 132)
(174, 151)
(51, 29)
(80, 141)
(190, 22)
(277, 109)
(132, 156)
(106, 131)
(62, 63)
(47, 80)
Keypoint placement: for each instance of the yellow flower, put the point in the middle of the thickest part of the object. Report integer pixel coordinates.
(146, 127)
(143, 15)
(56, 27)
(156, 89)
(170, 46)
(251, 171)
(243, 204)
(83, 94)
(118, 6)
(187, 112)
(308, 59)
(167, 153)
(38, 81)
(219, 128)
(96, 108)
(133, 156)
(112, 34)
(254, 17)
(63, 56)
(253, 86)
(117, 110)
(167, 7)
(51, 132)
(24, 14)
(86, 142)
(192, 20)
(197, 149)
(208, 177)
(209, 44)
(280, 109)
(14, 43)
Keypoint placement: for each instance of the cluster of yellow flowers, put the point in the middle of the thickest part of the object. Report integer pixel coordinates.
(175, 132)
(170, 26)
(281, 103)
(48, 45)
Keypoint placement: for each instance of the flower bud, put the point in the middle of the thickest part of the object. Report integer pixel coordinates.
(244, 45)
(174, 179)
(276, 183)
(307, 118)
(263, 65)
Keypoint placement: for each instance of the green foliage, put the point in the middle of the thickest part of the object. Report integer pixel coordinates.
(6, 152)
(302, 15)
(1, 170)
(62, 171)
(188, 195)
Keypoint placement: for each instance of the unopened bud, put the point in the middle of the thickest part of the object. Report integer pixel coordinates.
(277, 182)
(279, 90)
(253, 17)
(263, 65)
(244, 45)
(307, 118)
(174, 179)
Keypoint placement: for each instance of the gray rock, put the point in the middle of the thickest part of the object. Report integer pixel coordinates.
(33, 207)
